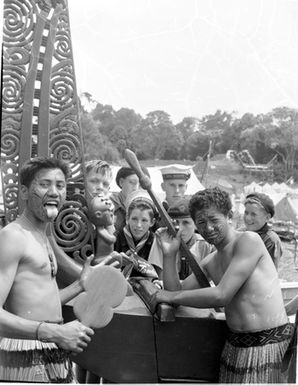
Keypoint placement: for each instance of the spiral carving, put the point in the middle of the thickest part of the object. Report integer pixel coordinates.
(62, 46)
(62, 91)
(72, 227)
(10, 144)
(81, 255)
(65, 146)
(11, 196)
(18, 56)
(10, 181)
(20, 70)
(19, 22)
(14, 80)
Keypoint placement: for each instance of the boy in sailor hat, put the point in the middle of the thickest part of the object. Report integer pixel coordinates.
(174, 183)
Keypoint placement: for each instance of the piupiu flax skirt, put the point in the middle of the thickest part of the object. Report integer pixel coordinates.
(255, 357)
(34, 361)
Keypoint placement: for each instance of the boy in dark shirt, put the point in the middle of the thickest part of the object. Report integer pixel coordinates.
(136, 238)
(259, 208)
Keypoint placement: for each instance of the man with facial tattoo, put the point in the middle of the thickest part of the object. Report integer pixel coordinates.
(34, 343)
(246, 284)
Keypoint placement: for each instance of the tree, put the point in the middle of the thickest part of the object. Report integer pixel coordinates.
(283, 137)
(150, 137)
(231, 137)
(104, 115)
(186, 128)
(275, 133)
(96, 145)
(215, 126)
(197, 145)
(126, 120)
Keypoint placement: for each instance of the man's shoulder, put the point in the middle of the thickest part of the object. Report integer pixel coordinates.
(12, 239)
(247, 239)
(247, 236)
(13, 229)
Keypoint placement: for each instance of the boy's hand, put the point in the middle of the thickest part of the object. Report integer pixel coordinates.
(168, 244)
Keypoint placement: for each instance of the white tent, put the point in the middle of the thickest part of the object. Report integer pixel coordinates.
(287, 209)
(276, 191)
(193, 184)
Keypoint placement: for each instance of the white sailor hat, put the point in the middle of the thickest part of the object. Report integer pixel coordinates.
(175, 172)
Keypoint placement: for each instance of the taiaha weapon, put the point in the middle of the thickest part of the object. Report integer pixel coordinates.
(146, 184)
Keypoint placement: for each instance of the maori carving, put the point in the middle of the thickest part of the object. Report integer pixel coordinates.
(40, 114)
(73, 230)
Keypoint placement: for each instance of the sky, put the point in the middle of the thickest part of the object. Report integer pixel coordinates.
(187, 57)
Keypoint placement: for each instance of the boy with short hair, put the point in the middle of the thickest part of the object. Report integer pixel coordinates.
(98, 177)
(259, 209)
(180, 214)
(98, 181)
(128, 181)
(136, 237)
(174, 184)
(246, 285)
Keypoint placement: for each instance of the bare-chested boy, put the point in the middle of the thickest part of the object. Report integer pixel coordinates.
(34, 343)
(246, 285)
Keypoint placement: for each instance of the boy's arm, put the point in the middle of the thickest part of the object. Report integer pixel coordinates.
(169, 246)
(241, 267)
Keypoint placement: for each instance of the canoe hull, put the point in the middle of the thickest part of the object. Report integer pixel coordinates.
(136, 347)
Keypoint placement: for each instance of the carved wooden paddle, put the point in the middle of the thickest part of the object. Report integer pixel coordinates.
(146, 184)
(106, 288)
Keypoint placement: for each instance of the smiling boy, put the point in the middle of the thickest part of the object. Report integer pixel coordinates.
(259, 209)
(246, 285)
(136, 237)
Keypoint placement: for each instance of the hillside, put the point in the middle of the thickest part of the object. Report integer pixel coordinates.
(222, 172)
(227, 174)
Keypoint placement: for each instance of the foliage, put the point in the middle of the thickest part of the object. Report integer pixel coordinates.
(186, 128)
(109, 132)
(96, 145)
(274, 133)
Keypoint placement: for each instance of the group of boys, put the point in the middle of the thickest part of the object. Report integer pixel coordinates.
(35, 344)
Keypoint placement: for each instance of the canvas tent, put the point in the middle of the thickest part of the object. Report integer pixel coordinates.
(287, 209)
(276, 191)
